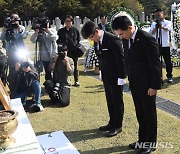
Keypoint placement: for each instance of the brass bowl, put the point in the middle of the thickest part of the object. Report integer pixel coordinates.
(8, 124)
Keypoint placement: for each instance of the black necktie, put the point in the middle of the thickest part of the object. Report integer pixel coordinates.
(131, 42)
(100, 45)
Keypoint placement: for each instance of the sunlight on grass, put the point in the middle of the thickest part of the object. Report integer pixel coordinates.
(171, 91)
(88, 111)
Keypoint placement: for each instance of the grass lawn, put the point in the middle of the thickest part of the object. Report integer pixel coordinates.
(171, 91)
(88, 111)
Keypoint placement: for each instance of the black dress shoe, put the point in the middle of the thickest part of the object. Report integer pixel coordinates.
(134, 145)
(114, 132)
(105, 128)
(146, 151)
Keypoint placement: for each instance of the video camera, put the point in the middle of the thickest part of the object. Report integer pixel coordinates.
(61, 50)
(40, 23)
(10, 23)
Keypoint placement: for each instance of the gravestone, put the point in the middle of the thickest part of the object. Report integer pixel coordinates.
(142, 17)
(85, 20)
(77, 22)
(58, 23)
(95, 21)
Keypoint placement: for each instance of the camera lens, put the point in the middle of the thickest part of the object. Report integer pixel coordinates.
(56, 89)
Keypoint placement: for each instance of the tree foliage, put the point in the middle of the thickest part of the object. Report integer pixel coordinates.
(89, 8)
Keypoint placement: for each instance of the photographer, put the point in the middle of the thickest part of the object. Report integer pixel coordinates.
(46, 39)
(13, 35)
(161, 29)
(24, 81)
(62, 67)
(70, 36)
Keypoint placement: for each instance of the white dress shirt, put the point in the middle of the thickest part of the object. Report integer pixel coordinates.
(133, 36)
(165, 33)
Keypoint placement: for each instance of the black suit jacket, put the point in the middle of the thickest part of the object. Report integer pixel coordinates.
(143, 63)
(106, 27)
(112, 60)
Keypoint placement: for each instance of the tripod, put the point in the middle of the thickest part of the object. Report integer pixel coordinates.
(37, 57)
(43, 50)
(159, 39)
(9, 61)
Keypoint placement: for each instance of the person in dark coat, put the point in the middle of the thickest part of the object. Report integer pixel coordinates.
(111, 54)
(70, 36)
(144, 74)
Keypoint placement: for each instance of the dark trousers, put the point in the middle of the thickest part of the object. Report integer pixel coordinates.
(167, 59)
(146, 116)
(64, 99)
(114, 97)
(76, 73)
(48, 75)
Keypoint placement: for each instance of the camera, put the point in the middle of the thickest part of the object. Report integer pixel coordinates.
(61, 50)
(10, 23)
(40, 23)
(158, 21)
(56, 90)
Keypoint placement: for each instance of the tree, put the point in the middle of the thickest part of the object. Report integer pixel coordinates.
(151, 5)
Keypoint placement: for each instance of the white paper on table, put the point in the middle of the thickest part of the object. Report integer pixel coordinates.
(56, 142)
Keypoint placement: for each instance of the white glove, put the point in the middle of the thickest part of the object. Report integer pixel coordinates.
(121, 81)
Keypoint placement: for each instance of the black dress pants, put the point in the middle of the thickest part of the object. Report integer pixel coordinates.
(76, 73)
(114, 98)
(167, 59)
(48, 75)
(146, 114)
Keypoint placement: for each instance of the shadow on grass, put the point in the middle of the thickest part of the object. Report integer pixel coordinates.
(119, 149)
(176, 80)
(83, 135)
(42, 133)
(88, 73)
(95, 88)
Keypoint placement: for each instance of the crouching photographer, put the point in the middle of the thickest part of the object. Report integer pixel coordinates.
(62, 67)
(23, 81)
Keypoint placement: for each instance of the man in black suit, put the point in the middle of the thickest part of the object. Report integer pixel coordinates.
(144, 74)
(110, 51)
(102, 25)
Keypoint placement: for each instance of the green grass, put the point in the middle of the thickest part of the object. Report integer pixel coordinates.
(171, 91)
(88, 111)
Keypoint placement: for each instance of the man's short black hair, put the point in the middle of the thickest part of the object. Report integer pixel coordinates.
(25, 64)
(88, 29)
(121, 22)
(62, 47)
(14, 12)
(102, 15)
(158, 10)
(69, 16)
